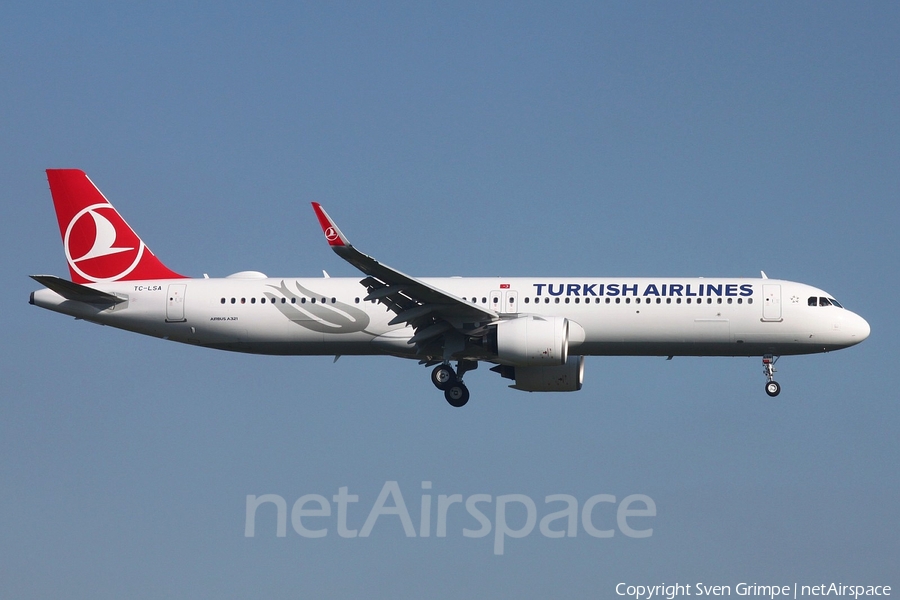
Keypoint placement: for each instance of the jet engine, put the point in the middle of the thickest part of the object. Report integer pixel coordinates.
(530, 340)
(559, 378)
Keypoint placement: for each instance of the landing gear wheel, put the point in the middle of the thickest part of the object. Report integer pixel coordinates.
(772, 387)
(443, 376)
(457, 394)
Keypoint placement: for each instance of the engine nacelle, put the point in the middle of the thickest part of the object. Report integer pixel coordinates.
(530, 340)
(560, 378)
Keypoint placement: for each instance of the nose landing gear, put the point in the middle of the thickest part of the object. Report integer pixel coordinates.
(773, 388)
(450, 381)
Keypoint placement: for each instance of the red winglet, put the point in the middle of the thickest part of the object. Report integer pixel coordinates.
(332, 234)
(100, 246)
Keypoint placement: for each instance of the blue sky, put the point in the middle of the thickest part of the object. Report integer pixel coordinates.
(695, 139)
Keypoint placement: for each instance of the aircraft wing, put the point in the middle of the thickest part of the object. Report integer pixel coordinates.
(431, 311)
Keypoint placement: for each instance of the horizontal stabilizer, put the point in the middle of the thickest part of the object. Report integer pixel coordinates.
(76, 291)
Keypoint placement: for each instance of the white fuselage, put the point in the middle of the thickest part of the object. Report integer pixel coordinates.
(619, 316)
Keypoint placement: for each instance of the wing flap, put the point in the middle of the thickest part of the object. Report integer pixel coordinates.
(412, 315)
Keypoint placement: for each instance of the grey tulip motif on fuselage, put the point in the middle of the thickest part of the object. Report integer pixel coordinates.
(316, 312)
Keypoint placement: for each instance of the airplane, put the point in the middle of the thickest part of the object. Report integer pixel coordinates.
(535, 331)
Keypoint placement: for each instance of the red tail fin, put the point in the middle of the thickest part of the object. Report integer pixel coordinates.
(99, 244)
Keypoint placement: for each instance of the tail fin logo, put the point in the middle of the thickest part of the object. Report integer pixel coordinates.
(100, 246)
(331, 234)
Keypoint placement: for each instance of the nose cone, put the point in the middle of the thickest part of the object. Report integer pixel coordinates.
(857, 329)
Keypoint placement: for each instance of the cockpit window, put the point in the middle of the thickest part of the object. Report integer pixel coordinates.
(822, 301)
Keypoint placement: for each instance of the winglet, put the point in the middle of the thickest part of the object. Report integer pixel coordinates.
(331, 231)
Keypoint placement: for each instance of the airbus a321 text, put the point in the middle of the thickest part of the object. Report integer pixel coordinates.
(536, 331)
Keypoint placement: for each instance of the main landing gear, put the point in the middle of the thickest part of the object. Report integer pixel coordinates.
(448, 380)
(772, 386)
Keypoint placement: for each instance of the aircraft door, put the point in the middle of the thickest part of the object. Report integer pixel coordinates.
(497, 301)
(771, 302)
(175, 302)
(505, 301)
(511, 302)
